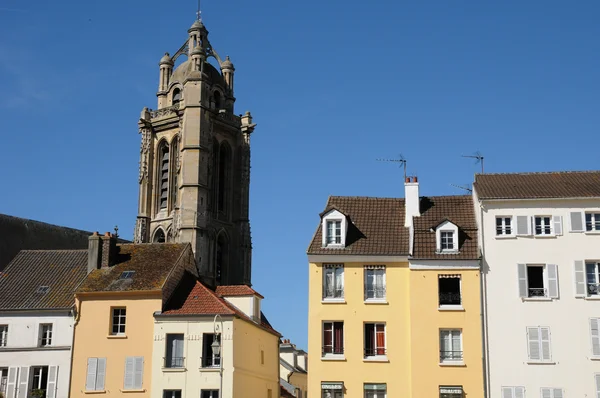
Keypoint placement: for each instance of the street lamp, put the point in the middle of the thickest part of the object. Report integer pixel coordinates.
(217, 349)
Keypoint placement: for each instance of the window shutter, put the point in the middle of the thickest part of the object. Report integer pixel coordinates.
(519, 392)
(52, 378)
(595, 333)
(557, 225)
(597, 377)
(546, 393)
(90, 380)
(552, 280)
(11, 383)
(129, 370)
(545, 340)
(522, 273)
(23, 382)
(507, 392)
(579, 279)
(523, 225)
(101, 374)
(558, 393)
(533, 342)
(576, 221)
(139, 373)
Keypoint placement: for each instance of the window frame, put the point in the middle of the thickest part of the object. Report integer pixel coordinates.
(45, 336)
(504, 226)
(552, 391)
(460, 394)
(540, 341)
(333, 353)
(450, 306)
(544, 280)
(375, 269)
(375, 391)
(452, 359)
(376, 349)
(336, 296)
(333, 236)
(335, 389)
(4, 335)
(97, 374)
(170, 360)
(543, 225)
(588, 284)
(210, 393)
(334, 216)
(594, 221)
(112, 321)
(172, 393)
(447, 234)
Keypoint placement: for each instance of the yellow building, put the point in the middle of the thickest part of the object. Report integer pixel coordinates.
(115, 304)
(293, 373)
(394, 300)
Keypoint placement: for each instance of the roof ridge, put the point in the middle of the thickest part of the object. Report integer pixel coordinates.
(51, 250)
(367, 197)
(543, 172)
(446, 196)
(43, 222)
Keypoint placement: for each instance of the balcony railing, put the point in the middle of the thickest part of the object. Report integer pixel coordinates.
(373, 352)
(593, 289)
(331, 293)
(537, 292)
(451, 356)
(210, 362)
(332, 351)
(449, 298)
(373, 293)
(174, 362)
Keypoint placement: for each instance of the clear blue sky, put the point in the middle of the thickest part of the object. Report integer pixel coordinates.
(333, 85)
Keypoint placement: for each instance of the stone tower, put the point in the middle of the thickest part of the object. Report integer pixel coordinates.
(195, 163)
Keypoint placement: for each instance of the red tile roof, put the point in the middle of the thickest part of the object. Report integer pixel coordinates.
(237, 290)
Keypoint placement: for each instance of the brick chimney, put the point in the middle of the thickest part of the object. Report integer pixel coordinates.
(411, 200)
(109, 249)
(101, 251)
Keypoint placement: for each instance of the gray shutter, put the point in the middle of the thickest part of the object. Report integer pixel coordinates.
(545, 342)
(597, 377)
(523, 225)
(139, 373)
(507, 392)
(23, 382)
(519, 392)
(129, 370)
(552, 280)
(533, 342)
(579, 279)
(595, 334)
(101, 374)
(90, 380)
(522, 273)
(546, 393)
(557, 221)
(576, 221)
(52, 379)
(558, 393)
(11, 383)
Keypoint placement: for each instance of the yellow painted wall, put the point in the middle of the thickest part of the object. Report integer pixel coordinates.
(92, 339)
(252, 377)
(354, 371)
(299, 380)
(427, 320)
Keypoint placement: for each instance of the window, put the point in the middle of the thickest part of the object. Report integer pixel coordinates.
(43, 289)
(593, 278)
(171, 393)
(447, 240)
(45, 338)
(592, 221)
(332, 390)
(163, 175)
(538, 342)
(552, 392)
(269, 393)
(538, 280)
(96, 371)
(535, 281)
(39, 378)
(224, 178)
(374, 339)
(513, 392)
(118, 321)
(262, 357)
(176, 96)
(375, 282)
(451, 392)
(334, 232)
(209, 360)
(134, 372)
(375, 390)
(127, 275)
(174, 356)
(542, 225)
(3, 335)
(503, 226)
(597, 378)
(210, 394)
(333, 281)
(333, 338)
(451, 346)
(449, 290)
(3, 380)
(595, 336)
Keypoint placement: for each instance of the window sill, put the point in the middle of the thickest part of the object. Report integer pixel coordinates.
(116, 336)
(595, 358)
(451, 308)
(334, 358)
(334, 246)
(453, 364)
(169, 370)
(506, 236)
(333, 301)
(537, 298)
(544, 236)
(382, 358)
(592, 232)
(376, 301)
(95, 392)
(540, 363)
(133, 391)
(592, 298)
(211, 369)
(447, 252)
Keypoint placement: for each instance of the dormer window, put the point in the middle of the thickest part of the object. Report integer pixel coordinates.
(447, 237)
(334, 227)
(447, 240)
(334, 232)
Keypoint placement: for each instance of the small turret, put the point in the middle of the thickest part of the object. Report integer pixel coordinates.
(197, 36)
(228, 69)
(166, 70)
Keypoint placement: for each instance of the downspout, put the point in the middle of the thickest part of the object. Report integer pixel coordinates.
(75, 313)
(483, 302)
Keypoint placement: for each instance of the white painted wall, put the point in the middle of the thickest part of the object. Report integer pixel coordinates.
(508, 315)
(22, 344)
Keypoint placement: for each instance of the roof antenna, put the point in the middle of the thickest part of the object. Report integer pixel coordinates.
(400, 159)
(479, 156)
(462, 187)
(116, 231)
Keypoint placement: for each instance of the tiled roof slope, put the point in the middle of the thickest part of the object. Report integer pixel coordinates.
(152, 263)
(563, 184)
(376, 227)
(436, 209)
(237, 290)
(60, 270)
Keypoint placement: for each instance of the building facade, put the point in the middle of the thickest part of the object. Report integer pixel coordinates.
(293, 371)
(540, 235)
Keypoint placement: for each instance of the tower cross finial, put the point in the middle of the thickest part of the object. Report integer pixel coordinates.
(199, 13)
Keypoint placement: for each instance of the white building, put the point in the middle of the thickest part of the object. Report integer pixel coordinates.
(540, 235)
(36, 322)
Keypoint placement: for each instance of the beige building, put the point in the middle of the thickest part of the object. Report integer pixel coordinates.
(293, 369)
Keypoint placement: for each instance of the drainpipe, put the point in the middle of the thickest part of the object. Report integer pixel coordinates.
(483, 302)
(75, 314)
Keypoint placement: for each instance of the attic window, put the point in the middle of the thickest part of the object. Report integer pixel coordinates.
(43, 289)
(334, 227)
(127, 275)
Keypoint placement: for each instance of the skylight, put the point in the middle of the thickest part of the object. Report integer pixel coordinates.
(127, 275)
(42, 289)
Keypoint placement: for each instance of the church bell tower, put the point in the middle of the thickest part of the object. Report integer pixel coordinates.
(195, 163)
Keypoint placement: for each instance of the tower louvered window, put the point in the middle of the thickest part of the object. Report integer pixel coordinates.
(164, 177)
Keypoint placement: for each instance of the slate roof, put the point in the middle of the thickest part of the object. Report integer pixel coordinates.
(436, 209)
(556, 184)
(376, 227)
(287, 389)
(237, 290)
(60, 270)
(152, 264)
(290, 367)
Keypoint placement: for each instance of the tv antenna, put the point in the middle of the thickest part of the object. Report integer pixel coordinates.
(400, 160)
(478, 156)
(464, 188)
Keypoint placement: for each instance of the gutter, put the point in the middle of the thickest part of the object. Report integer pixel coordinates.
(483, 302)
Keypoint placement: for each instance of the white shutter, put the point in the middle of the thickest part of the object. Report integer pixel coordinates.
(557, 221)
(23, 382)
(101, 374)
(11, 383)
(90, 380)
(580, 287)
(545, 342)
(519, 392)
(597, 377)
(507, 392)
(546, 393)
(595, 333)
(533, 342)
(129, 370)
(138, 373)
(552, 280)
(576, 221)
(52, 379)
(522, 273)
(523, 225)
(558, 393)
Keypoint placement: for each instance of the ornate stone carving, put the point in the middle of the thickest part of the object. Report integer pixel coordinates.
(144, 150)
(140, 230)
(167, 111)
(177, 153)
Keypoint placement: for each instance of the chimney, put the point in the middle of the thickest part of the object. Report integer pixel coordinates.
(411, 200)
(109, 249)
(93, 252)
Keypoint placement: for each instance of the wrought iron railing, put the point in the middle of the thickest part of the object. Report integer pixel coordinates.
(332, 351)
(593, 289)
(174, 362)
(537, 292)
(332, 292)
(372, 352)
(377, 292)
(451, 356)
(449, 298)
(210, 362)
